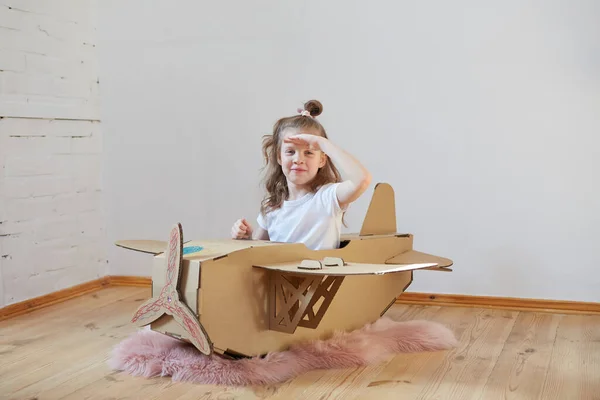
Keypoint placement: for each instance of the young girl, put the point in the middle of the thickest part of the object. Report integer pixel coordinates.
(306, 197)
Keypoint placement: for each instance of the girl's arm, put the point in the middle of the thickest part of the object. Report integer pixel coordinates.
(260, 234)
(357, 177)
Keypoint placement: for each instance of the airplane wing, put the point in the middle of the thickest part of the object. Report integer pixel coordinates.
(194, 249)
(296, 287)
(318, 267)
(145, 246)
(411, 257)
(156, 247)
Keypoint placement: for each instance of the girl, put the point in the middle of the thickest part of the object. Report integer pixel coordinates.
(306, 197)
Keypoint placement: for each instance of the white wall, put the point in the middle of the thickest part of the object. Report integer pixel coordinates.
(51, 218)
(485, 119)
(177, 85)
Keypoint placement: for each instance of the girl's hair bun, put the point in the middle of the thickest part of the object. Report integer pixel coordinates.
(314, 107)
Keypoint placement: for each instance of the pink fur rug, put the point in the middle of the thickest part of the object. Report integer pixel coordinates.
(150, 354)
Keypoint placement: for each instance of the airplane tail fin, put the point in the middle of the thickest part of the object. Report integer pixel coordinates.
(381, 214)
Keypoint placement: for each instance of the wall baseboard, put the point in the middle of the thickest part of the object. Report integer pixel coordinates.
(137, 281)
(506, 303)
(49, 299)
(454, 300)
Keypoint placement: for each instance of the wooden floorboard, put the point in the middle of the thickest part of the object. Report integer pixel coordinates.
(60, 352)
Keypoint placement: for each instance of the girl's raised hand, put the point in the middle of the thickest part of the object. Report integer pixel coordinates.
(312, 141)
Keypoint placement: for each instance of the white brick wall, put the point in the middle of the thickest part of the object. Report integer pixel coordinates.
(48, 63)
(51, 212)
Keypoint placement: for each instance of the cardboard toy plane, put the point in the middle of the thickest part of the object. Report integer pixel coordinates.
(251, 297)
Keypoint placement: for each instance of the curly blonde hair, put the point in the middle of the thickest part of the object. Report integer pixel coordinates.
(275, 181)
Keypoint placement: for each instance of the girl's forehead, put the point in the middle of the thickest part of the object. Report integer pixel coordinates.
(297, 131)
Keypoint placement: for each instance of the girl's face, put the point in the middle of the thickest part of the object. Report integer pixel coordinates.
(299, 163)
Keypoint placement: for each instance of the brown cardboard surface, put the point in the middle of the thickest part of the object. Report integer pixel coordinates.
(357, 236)
(381, 214)
(412, 256)
(218, 248)
(235, 294)
(209, 248)
(348, 269)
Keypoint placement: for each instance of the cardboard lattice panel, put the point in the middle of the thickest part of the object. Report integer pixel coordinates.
(293, 297)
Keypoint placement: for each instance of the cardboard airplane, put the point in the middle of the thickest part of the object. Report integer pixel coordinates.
(251, 297)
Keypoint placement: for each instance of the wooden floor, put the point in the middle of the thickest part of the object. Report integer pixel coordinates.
(60, 352)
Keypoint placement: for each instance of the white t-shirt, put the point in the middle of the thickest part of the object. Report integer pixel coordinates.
(314, 219)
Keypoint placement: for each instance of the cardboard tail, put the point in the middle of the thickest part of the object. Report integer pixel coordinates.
(381, 220)
(381, 214)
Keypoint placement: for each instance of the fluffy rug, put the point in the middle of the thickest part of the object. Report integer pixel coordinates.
(150, 354)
